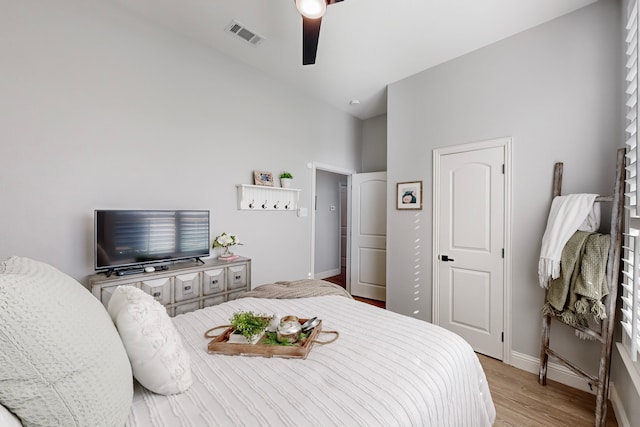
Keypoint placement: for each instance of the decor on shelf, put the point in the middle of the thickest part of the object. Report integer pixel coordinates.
(263, 178)
(285, 179)
(226, 241)
(409, 195)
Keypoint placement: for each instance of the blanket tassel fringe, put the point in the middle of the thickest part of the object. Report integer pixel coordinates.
(583, 307)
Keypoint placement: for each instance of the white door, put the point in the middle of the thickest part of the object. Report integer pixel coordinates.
(471, 215)
(369, 235)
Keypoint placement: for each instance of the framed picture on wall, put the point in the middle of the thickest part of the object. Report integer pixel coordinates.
(409, 195)
(263, 178)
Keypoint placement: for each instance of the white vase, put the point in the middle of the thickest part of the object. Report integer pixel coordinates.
(285, 182)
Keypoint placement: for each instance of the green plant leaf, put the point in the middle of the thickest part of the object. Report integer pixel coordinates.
(248, 323)
(271, 338)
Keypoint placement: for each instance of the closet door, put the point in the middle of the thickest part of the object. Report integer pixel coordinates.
(471, 241)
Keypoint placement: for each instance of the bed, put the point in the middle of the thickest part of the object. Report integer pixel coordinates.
(384, 370)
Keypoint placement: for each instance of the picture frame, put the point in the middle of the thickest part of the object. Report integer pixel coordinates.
(263, 178)
(409, 195)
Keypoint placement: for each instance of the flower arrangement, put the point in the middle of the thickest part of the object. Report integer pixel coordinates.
(225, 241)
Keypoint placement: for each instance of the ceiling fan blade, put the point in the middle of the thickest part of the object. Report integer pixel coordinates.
(310, 36)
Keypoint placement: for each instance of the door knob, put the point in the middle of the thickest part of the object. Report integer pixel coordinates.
(446, 258)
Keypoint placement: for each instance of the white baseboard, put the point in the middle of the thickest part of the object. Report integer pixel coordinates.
(562, 374)
(325, 274)
(555, 371)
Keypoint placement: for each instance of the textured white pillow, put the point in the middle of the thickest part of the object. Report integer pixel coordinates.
(155, 349)
(7, 419)
(61, 359)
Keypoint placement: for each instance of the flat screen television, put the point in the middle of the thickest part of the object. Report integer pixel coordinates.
(125, 238)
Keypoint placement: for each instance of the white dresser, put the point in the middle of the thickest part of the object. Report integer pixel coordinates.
(184, 286)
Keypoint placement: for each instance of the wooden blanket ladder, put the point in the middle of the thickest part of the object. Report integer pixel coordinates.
(605, 333)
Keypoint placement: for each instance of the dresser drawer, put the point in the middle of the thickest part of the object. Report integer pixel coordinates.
(237, 277)
(186, 286)
(159, 289)
(214, 281)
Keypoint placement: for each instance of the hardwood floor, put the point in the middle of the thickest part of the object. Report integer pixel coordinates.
(339, 280)
(520, 401)
(377, 303)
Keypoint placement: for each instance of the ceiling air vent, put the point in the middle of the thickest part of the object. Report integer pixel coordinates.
(244, 33)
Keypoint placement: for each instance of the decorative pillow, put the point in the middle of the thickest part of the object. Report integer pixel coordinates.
(7, 419)
(61, 359)
(153, 344)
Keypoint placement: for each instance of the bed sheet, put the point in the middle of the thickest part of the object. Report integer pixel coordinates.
(386, 369)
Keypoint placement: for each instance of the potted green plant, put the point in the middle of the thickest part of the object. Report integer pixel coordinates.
(249, 327)
(285, 179)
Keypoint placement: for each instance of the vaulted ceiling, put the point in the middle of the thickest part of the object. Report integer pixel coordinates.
(364, 45)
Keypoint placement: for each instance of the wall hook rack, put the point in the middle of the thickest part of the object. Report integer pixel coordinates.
(275, 198)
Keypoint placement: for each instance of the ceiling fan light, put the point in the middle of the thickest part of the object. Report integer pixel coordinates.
(312, 9)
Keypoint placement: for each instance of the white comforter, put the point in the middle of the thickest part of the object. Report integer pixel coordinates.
(385, 370)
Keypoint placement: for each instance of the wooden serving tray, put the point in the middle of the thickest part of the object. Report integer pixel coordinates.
(220, 345)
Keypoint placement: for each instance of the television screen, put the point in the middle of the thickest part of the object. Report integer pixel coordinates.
(135, 237)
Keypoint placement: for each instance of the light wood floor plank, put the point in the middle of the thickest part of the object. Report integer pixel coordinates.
(521, 402)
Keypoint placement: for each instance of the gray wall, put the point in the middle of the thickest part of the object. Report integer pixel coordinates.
(624, 387)
(374, 144)
(556, 90)
(101, 110)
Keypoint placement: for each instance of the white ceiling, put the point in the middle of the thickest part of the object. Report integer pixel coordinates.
(364, 44)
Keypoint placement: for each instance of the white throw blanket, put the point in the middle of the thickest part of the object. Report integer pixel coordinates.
(567, 215)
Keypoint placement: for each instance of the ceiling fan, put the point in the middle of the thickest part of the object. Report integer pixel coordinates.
(312, 12)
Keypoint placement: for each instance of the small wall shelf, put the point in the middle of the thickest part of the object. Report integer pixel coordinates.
(263, 198)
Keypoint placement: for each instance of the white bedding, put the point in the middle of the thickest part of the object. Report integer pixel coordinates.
(385, 370)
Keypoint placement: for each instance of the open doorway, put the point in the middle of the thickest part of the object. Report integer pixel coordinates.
(330, 224)
(340, 276)
(331, 245)
(330, 229)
